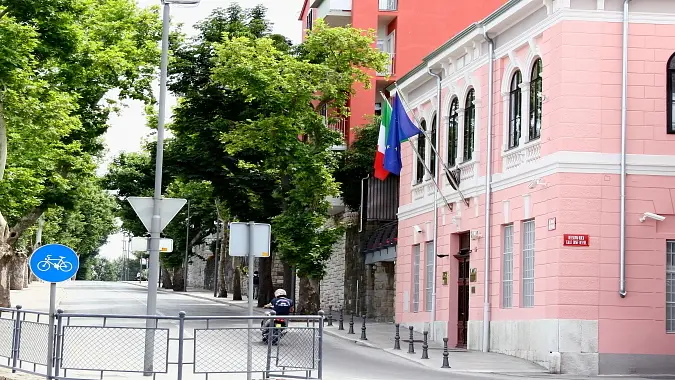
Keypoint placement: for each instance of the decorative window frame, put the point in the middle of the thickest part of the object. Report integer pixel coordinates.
(528, 149)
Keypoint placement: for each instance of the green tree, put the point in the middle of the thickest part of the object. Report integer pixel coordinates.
(289, 90)
(206, 111)
(60, 61)
(357, 162)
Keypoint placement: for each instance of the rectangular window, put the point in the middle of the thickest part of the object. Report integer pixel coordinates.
(528, 263)
(429, 275)
(416, 278)
(507, 268)
(670, 286)
(310, 19)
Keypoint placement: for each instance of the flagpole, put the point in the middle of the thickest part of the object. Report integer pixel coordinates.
(419, 157)
(445, 167)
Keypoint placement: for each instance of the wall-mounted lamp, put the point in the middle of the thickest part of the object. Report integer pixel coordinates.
(657, 217)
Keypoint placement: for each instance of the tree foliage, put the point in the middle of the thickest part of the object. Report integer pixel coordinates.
(357, 162)
(60, 62)
(289, 88)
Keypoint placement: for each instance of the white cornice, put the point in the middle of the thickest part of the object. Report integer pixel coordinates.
(559, 162)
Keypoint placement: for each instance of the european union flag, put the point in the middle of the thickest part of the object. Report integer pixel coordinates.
(401, 128)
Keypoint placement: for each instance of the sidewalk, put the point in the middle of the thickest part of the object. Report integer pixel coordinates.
(36, 296)
(381, 336)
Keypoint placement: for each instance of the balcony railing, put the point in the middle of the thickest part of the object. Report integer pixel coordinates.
(341, 127)
(390, 66)
(388, 5)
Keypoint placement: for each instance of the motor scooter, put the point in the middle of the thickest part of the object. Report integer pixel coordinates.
(276, 326)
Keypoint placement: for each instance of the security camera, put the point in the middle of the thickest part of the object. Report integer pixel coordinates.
(650, 215)
(418, 229)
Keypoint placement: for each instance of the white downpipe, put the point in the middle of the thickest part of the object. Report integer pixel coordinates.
(432, 322)
(624, 88)
(488, 197)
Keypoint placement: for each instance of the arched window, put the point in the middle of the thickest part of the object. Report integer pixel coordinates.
(469, 124)
(421, 149)
(670, 110)
(535, 101)
(432, 157)
(453, 125)
(515, 102)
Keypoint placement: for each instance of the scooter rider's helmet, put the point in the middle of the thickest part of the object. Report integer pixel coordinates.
(280, 293)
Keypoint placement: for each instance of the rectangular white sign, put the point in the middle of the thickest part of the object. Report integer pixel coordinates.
(262, 236)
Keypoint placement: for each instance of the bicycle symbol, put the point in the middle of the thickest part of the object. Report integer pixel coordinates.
(58, 264)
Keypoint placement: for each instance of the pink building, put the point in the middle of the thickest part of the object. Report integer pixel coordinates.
(569, 286)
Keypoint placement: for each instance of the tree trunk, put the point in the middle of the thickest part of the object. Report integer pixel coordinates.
(224, 266)
(288, 280)
(310, 296)
(179, 279)
(266, 285)
(236, 288)
(5, 260)
(166, 279)
(17, 268)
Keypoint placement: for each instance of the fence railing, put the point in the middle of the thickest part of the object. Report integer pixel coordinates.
(91, 346)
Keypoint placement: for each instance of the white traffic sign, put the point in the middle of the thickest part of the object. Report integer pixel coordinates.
(262, 234)
(142, 244)
(169, 209)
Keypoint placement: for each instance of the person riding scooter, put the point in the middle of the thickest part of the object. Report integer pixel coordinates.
(280, 303)
(282, 307)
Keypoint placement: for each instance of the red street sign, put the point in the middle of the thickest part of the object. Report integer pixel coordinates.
(576, 240)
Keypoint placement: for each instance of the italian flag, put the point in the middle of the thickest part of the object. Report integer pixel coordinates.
(380, 172)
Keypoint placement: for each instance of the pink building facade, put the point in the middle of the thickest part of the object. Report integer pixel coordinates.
(555, 247)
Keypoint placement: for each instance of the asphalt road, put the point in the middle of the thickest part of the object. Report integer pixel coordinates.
(343, 360)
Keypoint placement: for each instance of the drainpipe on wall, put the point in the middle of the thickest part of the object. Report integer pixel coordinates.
(624, 88)
(436, 175)
(488, 195)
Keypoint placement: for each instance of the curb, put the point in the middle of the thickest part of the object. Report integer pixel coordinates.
(187, 294)
(349, 339)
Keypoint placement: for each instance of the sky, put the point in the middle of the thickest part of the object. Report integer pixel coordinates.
(127, 129)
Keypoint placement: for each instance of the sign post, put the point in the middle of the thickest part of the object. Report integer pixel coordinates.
(253, 240)
(53, 263)
(166, 208)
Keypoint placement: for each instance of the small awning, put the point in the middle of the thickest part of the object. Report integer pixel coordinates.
(382, 238)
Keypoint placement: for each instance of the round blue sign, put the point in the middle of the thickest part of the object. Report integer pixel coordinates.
(54, 263)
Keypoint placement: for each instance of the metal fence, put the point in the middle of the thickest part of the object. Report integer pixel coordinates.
(94, 346)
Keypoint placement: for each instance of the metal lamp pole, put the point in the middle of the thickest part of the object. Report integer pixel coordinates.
(155, 227)
(187, 243)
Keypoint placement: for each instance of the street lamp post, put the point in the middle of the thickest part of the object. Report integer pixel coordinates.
(155, 227)
(187, 243)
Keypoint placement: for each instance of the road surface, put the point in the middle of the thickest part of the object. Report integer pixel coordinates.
(343, 360)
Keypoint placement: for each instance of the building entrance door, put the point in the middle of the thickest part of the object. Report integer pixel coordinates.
(463, 289)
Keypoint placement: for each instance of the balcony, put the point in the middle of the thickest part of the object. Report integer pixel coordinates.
(388, 5)
(334, 12)
(387, 46)
(341, 127)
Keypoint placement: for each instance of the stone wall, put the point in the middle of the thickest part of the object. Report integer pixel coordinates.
(197, 266)
(381, 291)
(333, 283)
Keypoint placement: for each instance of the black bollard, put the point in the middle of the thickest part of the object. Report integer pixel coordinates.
(341, 325)
(351, 325)
(330, 315)
(411, 346)
(363, 329)
(425, 346)
(397, 338)
(446, 362)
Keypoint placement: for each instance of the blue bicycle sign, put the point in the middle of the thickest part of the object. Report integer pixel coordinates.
(54, 263)
(58, 264)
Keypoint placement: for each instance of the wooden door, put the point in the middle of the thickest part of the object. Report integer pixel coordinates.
(463, 290)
